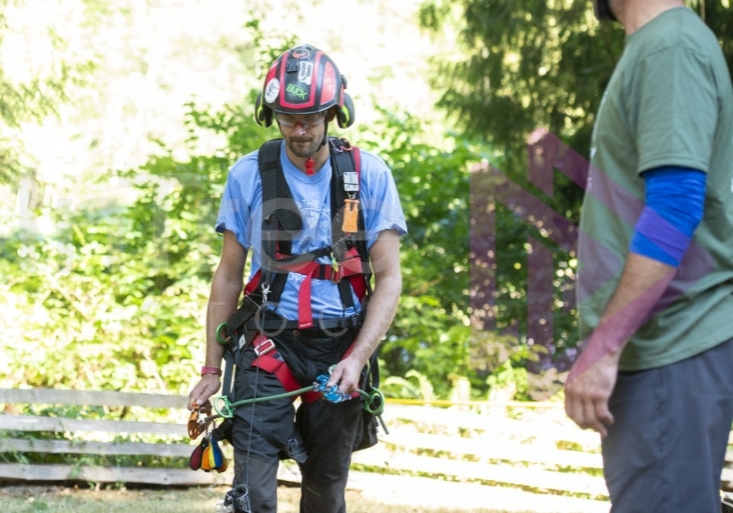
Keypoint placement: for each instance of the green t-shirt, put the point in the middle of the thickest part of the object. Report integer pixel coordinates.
(669, 102)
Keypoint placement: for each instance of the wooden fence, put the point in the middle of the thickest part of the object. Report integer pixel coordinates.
(93, 437)
(533, 449)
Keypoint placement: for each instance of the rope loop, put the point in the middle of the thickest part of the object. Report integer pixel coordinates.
(373, 402)
(225, 410)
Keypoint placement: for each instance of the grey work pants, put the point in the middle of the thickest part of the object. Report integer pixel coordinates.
(321, 435)
(665, 451)
(329, 432)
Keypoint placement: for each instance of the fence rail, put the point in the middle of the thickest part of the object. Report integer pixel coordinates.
(505, 446)
(492, 449)
(19, 435)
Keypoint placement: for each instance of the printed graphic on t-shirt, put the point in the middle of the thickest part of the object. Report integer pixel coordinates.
(316, 231)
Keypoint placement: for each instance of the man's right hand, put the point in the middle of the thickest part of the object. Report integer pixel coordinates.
(207, 386)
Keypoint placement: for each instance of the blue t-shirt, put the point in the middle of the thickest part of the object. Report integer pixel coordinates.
(241, 213)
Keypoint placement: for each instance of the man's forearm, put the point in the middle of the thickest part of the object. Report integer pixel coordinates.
(380, 313)
(385, 258)
(642, 283)
(221, 306)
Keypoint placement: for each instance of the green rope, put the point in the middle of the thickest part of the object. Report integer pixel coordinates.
(226, 410)
(377, 410)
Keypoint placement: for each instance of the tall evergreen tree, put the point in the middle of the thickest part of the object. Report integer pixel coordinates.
(524, 64)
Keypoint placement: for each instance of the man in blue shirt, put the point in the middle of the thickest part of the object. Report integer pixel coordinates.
(297, 279)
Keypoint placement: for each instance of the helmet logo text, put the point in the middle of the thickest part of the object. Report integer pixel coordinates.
(297, 91)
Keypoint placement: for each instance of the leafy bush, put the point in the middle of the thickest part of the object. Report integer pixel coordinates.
(115, 298)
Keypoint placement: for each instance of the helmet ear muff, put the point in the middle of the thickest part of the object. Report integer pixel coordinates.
(263, 113)
(345, 114)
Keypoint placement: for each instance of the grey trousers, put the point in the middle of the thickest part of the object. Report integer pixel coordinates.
(320, 436)
(665, 451)
(328, 432)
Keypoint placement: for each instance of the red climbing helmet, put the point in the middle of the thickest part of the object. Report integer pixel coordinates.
(303, 81)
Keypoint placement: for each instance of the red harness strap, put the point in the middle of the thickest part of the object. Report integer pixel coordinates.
(350, 268)
(267, 361)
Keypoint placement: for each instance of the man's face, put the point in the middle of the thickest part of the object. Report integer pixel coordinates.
(302, 134)
(603, 10)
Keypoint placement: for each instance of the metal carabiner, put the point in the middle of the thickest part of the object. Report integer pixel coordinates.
(197, 424)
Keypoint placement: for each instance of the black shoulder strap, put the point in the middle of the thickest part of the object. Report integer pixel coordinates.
(277, 200)
(280, 215)
(281, 219)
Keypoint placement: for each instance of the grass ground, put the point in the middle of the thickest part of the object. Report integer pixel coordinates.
(60, 499)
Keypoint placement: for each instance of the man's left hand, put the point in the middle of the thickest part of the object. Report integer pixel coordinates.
(588, 389)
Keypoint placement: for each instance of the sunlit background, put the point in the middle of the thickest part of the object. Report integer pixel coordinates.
(149, 58)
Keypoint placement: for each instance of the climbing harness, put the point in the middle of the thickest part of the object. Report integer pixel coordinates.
(349, 263)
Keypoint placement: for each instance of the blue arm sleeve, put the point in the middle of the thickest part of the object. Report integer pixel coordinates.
(675, 200)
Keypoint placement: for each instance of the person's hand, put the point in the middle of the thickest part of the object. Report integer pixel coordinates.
(207, 386)
(587, 390)
(346, 375)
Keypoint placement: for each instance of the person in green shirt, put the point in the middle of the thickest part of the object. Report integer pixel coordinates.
(655, 288)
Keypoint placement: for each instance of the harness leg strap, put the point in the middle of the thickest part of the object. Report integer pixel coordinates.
(267, 361)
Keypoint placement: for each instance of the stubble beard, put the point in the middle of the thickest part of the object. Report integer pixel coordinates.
(304, 147)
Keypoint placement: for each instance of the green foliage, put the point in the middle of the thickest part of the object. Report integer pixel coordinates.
(404, 388)
(431, 330)
(507, 376)
(528, 63)
(122, 285)
(31, 100)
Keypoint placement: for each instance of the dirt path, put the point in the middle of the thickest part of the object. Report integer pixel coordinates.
(392, 495)
(70, 499)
